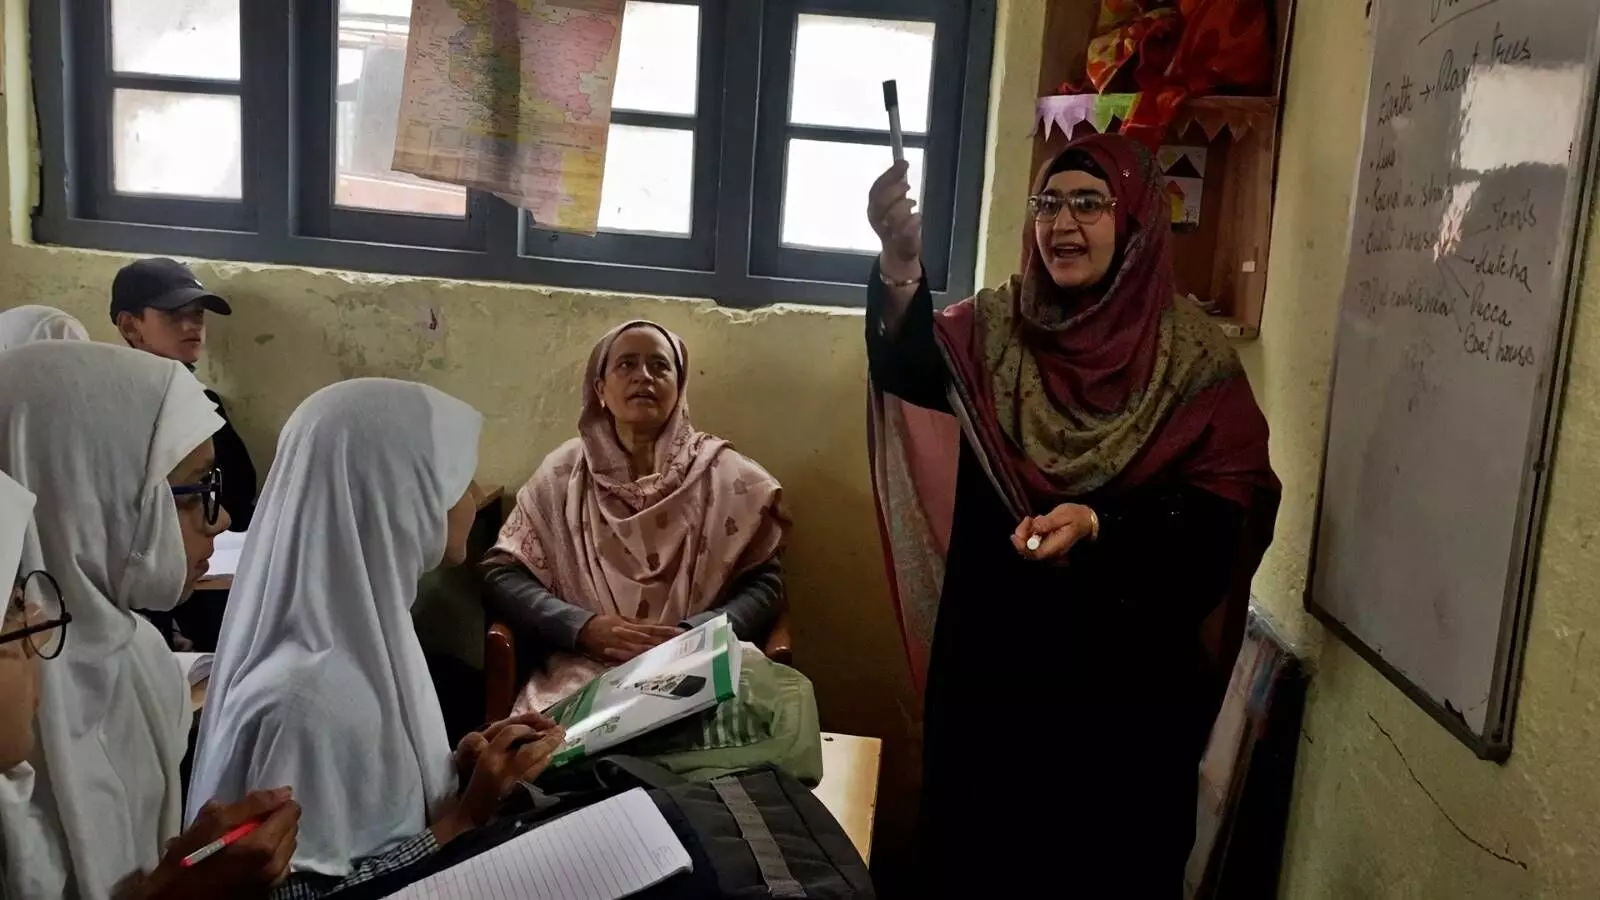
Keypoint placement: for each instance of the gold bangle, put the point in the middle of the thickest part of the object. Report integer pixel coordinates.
(898, 282)
(1094, 525)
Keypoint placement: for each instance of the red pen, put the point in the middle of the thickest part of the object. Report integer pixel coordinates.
(216, 846)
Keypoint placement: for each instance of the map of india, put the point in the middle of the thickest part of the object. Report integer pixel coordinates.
(513, 98)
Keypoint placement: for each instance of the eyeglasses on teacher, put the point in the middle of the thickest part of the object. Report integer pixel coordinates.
(1085, 207)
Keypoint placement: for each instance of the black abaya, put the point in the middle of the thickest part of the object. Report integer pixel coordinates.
(1067, 704)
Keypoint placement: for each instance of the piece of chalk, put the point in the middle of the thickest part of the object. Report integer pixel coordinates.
(1034, 542)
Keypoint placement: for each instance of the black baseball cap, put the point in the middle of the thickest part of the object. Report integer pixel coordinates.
(161, 283)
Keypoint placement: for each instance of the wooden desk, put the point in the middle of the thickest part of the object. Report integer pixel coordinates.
(489, 495)
(849, 787)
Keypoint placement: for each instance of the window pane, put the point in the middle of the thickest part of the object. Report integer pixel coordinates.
(166, 143)
(649, 180)
(657, 67)
(825, 193)
(372, 64)
(191, 38)
(840, 64)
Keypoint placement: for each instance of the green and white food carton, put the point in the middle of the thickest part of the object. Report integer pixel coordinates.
(689, 674)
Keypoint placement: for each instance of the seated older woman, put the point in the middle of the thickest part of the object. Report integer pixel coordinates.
(636, 529)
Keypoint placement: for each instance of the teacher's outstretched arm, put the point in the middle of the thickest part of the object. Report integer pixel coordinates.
(894, 217)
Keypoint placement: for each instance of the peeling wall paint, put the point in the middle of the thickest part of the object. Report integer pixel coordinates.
(786, 385)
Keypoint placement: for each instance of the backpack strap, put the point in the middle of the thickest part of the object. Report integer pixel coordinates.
(781, 883)
(620, 771)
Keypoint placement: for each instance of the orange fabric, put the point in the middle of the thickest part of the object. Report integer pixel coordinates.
(1225, 45)
(1148, 41)
(1118, 12)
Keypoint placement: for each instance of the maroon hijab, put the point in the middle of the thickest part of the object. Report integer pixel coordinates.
(1073, 397)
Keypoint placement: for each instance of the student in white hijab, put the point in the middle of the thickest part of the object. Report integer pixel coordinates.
(26, 324)
(18, 660)
(116, 446)
(319, 679)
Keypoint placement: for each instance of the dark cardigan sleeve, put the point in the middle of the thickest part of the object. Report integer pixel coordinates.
(238, 472)
(907, 364)
(546, 623)
(755, 600)
(1165, 554)
(542, 622)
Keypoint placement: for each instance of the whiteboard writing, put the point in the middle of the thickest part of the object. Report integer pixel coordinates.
(1461, 237)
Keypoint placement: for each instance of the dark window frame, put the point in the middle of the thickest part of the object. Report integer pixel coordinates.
(315, 84)
(287, 101)
(93, 109)
(940, 143)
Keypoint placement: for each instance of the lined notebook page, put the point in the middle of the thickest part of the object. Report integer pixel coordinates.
(602, 852)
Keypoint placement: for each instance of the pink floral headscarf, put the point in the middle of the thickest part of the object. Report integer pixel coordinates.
(657, 550)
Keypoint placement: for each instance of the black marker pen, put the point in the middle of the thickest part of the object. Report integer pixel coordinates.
(891, 102)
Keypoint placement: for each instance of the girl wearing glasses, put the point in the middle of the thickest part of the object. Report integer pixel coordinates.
(116, 446)
(27, 632)
(1075, 544)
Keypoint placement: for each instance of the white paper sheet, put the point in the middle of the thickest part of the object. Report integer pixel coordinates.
(196, 666)
(225, 552)
(604, 852)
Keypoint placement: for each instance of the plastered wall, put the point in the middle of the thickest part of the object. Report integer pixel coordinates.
(787, 385)
(1386, 804)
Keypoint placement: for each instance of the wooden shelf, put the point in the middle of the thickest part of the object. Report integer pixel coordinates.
(1223, 260)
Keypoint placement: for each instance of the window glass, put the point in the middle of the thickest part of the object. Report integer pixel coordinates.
(187, 38)
(825, 193)
(841, 63)
(171, 143)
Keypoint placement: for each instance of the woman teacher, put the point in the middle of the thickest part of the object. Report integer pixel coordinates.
(1073, 601)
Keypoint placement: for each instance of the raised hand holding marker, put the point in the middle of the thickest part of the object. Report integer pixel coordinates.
(891, 102)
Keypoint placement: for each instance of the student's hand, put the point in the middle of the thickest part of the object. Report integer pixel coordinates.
(893, 215)
(613, 639)
(473, 745)
(500, 766)
(249, 867)
(1059, 531)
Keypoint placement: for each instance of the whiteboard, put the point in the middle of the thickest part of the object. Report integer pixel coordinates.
(1475, 164)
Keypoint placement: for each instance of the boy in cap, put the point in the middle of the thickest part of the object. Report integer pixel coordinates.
(159, 307)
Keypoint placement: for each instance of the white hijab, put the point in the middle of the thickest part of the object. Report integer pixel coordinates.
(94, 430)
(16, 514)
(26, 324)
(319, 681)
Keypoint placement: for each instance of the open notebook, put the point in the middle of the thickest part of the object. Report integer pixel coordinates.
(603, 852)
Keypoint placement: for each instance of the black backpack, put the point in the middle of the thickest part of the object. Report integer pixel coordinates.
(759, 833)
